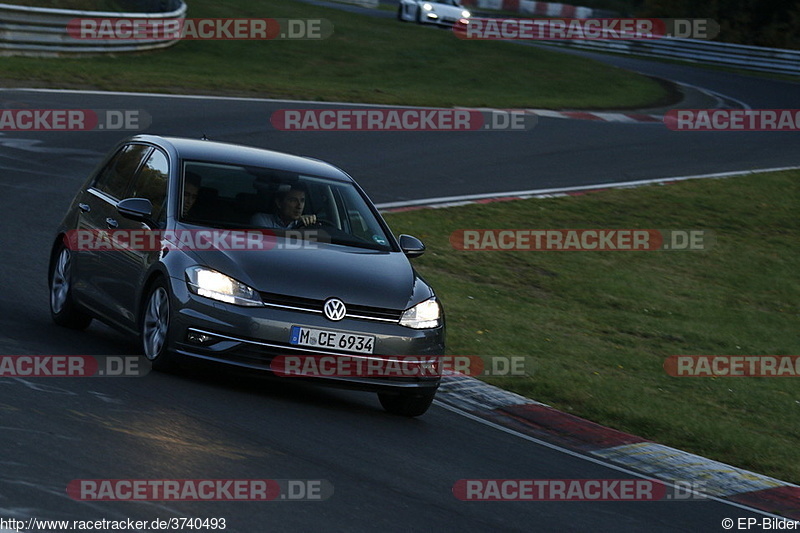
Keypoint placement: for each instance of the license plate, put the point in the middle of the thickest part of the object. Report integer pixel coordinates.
(334, 340)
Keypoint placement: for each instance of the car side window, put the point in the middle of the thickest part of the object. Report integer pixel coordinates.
(118, 173)
(151, 183)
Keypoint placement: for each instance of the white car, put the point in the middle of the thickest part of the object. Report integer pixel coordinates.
(441, 12)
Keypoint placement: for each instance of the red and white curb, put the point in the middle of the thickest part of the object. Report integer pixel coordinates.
(529, 7)
(627, 118)
(720, 101)
(540, 421)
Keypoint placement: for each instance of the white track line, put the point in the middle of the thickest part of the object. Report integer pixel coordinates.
(464, 199)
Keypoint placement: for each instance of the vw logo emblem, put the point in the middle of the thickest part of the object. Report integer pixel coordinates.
(334, 309)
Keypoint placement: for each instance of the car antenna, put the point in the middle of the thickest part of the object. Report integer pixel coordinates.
(204, 138)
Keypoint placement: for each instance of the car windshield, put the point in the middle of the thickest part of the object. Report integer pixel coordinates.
(229, 196)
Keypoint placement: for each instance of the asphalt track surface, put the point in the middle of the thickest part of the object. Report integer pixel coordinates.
(388, 473)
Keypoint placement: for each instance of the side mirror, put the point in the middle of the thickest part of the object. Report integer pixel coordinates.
(411, 246)
(139, 209)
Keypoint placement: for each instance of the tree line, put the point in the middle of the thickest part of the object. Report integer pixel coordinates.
(771, 23)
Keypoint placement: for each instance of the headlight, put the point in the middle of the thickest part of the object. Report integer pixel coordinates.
(218, 286)
(466, 14)
(427, 7)
(427, 314)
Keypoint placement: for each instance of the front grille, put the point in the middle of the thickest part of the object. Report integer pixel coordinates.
(310, 305)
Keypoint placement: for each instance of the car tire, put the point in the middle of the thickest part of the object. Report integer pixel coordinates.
(154, 327)
(62, 309)
(406, 403)
(400, 13)
(418, 17)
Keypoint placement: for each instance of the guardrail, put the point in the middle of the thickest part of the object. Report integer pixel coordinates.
(41, 31)
(775, 60)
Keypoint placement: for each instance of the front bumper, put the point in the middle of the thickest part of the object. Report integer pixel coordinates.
(441, 19)
(258, 338)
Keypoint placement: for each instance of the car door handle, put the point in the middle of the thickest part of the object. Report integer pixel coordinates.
(112, 223)
(84, 207)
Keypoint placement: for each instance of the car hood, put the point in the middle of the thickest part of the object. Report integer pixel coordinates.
(354, 275)
(447, 10)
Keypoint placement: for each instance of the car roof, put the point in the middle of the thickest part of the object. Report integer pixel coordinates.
(215, 151)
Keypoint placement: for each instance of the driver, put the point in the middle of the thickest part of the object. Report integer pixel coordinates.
(289, 212)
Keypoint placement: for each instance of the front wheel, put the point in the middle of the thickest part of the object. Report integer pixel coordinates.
(62, 309)
(155, 326)
(406, 403)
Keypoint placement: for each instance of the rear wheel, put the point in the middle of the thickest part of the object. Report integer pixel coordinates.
(406, 403)
(62, 309)
(155, 326)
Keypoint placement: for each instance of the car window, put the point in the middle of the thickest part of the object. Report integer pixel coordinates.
(151, 183)
(231, 196)
(225, 195)
(118, 173)
(356, 216)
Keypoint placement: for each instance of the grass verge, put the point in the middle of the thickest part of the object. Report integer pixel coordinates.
(599, 325)
(366, 60)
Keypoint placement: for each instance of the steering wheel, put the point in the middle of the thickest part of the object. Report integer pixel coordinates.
(323, 222)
